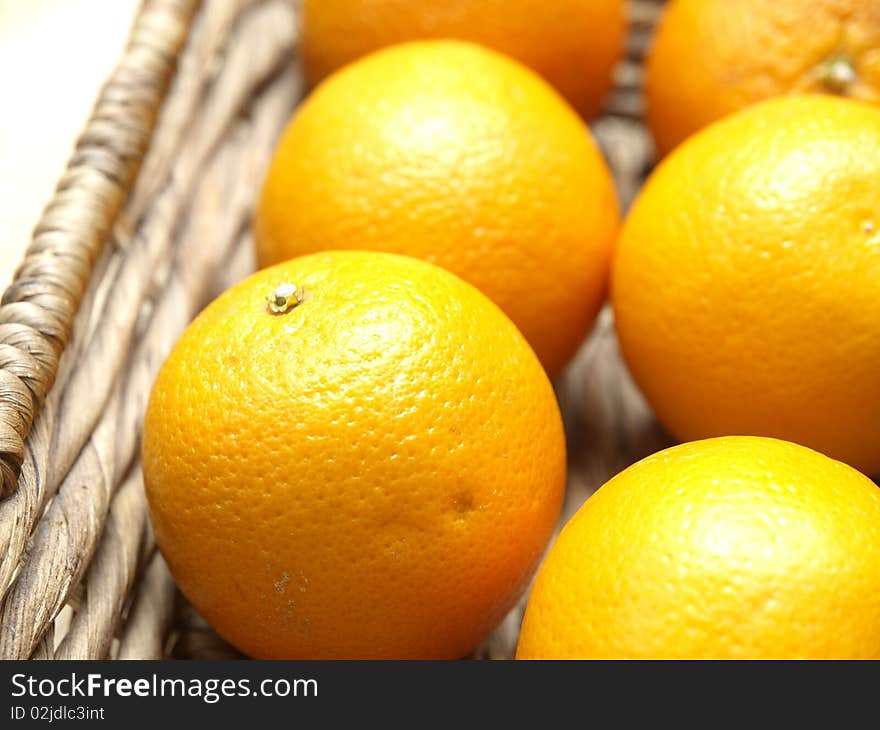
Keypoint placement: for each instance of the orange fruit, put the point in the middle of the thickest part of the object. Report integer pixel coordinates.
(745, 283)
(574, 45)
(710, 58)
(454, 154)
(372, 473)
(730, 548)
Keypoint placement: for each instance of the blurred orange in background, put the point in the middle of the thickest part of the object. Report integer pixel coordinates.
(574, 44)
(712, 57)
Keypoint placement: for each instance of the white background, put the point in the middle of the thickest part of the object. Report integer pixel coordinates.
(54, 55)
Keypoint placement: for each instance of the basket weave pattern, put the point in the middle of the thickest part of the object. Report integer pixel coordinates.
(151, 221)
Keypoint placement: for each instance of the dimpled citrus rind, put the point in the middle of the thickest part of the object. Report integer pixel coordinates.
(744, 283)
(734, 547)
(374, 472)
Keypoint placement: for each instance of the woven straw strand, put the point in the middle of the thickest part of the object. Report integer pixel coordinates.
(110, 575)
(75, 224)
(150, 615)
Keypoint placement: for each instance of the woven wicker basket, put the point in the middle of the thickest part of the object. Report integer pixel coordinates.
(150, 221)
